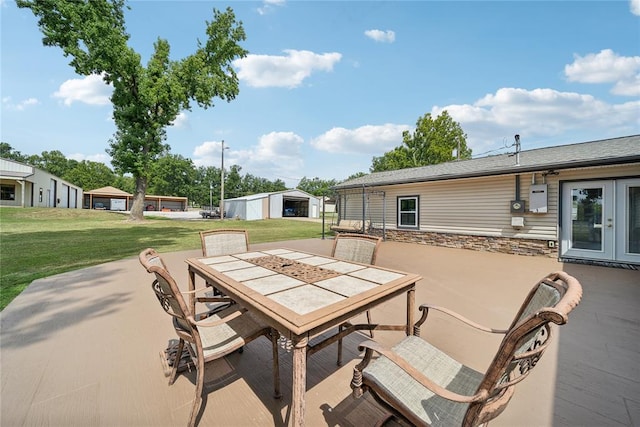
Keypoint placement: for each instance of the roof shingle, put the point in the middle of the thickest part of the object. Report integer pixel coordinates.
(595, 153)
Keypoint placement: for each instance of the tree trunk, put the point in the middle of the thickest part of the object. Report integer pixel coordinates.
(137, 207)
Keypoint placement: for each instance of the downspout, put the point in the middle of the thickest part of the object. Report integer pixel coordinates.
(324, 202)
(384, 216)
(517, 138)
(364, 213)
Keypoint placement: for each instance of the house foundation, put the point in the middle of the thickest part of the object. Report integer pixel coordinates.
(519, 246)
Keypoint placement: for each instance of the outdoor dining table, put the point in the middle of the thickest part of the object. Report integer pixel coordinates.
(303, 295)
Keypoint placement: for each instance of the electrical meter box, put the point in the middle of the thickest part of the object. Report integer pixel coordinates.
(538, 198)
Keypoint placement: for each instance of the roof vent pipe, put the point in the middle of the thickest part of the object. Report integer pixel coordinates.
(517, 137)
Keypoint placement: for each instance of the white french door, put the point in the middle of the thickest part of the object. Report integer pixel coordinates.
(628, 219)
(601, 220)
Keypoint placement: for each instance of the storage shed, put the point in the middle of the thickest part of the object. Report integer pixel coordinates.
(288, 203)
(114, 199)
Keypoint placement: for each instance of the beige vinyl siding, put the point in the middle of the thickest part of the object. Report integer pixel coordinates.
(476, 206)
(602, 172)
(352, 206)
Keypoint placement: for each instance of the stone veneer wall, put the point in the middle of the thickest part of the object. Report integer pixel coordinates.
(507, 245)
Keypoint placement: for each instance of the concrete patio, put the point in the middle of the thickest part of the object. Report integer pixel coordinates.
(81, 348)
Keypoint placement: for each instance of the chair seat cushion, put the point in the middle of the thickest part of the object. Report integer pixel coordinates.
(435, 365)
(223, 339)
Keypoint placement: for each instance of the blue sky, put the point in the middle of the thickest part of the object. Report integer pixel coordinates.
(328, 85)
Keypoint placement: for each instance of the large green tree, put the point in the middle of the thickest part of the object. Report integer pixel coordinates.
(146, 99)
(435, 140)
(53, 162)
(90, 175)
(316, 186)
(233, 183)
(8, 152)
(172, 175)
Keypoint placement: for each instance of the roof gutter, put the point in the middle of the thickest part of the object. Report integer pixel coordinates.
(485, 173)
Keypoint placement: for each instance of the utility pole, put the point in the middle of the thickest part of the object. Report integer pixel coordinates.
(222, 182)
(210, 196)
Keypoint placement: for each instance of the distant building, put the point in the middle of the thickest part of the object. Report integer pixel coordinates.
(26, 186)
(288, 203)
(114, 199)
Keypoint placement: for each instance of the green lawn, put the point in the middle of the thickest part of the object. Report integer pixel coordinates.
(36, 243)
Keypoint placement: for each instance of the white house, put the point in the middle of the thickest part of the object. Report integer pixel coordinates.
(26, 186)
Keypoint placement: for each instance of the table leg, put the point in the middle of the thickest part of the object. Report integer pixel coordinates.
(192, 287)
(299, 380)
(411, 301)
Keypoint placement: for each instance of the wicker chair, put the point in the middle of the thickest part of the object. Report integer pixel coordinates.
(208, 339)
(360, 248)
(421, 384)
(224, 242)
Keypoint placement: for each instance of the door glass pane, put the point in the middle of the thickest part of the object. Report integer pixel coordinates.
(586, 218)
(633, 202)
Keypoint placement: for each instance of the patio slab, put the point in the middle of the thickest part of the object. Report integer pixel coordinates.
(82, 348)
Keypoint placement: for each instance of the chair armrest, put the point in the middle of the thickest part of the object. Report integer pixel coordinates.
(214, 299)
(371, 346)
(195, 291)
(235, 314)
(207, 299)
(425, 312)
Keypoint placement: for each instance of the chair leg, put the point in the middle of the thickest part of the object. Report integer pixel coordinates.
(369, 321)
(197, 400)
(339, 362)
(176, 363)
(276, 364)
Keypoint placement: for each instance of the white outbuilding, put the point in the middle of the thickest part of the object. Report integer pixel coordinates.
(288, 203)
(26, 186)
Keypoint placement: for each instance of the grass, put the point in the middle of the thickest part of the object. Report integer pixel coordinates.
(37, 242)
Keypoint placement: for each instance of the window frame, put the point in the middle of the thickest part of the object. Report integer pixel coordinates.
(416, 212)
(8, 190)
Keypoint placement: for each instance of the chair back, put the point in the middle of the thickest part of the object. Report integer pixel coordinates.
(224, 242)
(168, 293)
(550, 301)
(356, 247)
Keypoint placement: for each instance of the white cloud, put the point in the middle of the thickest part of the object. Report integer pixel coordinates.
(208, 154)
(381, 36)
(629, 87)
(372, 139)
(181, 121)
(607, 67)
(275, 151)
(269, 5)
(538, 114)
(283, 71)
(635, 7)
(100, 158)
(90, 90)
(20, 106)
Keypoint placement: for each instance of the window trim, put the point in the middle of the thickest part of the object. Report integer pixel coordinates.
(4, 191)
(399, 224)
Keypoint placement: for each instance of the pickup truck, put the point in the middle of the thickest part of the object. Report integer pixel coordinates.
(210, 212)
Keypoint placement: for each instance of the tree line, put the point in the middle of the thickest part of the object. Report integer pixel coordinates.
(172, 175)
(434, 140)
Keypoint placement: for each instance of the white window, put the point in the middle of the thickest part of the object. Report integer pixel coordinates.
(408, 211)
(7, 192)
